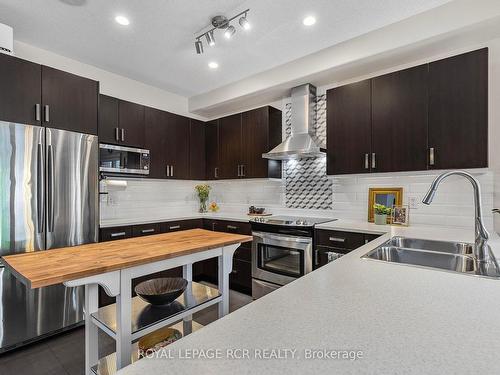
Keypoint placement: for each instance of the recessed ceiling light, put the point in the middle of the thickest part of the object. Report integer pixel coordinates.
(122, 20)
(213, 65)
(309, 21)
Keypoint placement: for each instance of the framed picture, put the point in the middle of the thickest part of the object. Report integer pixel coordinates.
(400, 215)
(388, 196)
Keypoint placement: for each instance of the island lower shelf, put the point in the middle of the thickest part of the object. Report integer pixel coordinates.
(107, 365)
(147, 318)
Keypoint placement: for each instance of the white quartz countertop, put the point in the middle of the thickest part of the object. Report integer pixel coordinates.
(131, 221)
(404, 320)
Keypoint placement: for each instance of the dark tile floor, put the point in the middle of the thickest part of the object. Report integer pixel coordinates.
(64, 354)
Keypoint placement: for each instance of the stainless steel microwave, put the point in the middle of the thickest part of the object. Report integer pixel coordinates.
(123, 160)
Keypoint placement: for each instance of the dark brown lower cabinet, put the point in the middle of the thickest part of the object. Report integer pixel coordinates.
(241, 277)
(174, 226)
(338, 242)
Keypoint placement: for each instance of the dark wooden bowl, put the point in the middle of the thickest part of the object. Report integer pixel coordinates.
(161, 291)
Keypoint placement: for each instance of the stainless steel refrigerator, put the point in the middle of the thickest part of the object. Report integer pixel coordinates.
(48, 199)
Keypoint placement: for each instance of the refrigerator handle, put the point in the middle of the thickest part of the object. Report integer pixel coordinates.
(50, 188)
(39, 188)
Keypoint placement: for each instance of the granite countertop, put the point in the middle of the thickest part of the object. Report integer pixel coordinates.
(401, 319)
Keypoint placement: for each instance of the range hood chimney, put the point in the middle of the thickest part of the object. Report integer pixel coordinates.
(300, 143)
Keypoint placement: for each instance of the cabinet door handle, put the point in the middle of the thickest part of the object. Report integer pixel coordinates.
(337, 239)
(239, 173)
(316, 257)
(232, 227)
(216, 172)
(38, 115)
(117, 234)
(367, 161)
(123, 135)
(117, 134)
(174, 227)
(167, 171)
(47, 113)
(374, 161)
(431, 156)
(147, 230)
(242, 170)
(171, 171)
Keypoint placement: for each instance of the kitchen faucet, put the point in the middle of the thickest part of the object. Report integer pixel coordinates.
(481, 251)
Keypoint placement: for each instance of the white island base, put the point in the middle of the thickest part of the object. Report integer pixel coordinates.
(131, 318)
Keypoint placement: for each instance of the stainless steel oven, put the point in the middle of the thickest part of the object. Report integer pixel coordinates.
(282, 251)
(280, 258)
(123, 160)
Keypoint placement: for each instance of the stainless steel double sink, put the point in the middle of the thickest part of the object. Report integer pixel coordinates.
(441, 255)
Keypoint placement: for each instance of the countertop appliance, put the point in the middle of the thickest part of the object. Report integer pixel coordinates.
(49, 199)
(123, 160)
(282, 251)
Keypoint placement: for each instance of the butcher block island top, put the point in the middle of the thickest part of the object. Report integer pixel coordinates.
(44, 268)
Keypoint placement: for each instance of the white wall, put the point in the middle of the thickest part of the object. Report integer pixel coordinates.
(110, 83)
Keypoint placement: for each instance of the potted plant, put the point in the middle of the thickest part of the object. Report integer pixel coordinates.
(203, 190)
(380, 213)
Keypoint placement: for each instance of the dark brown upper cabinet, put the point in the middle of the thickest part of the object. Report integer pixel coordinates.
(168, 140)
(156, 133)
(131, 121)
(20, 96)
(230, 147)
(177, 146)
(196, 150)
(349, 128)
(433, 116)
(121, 122)
(109, 127)
(458, 111)
(399, 121)
(212, 150)
(69, 101)
(261, 131)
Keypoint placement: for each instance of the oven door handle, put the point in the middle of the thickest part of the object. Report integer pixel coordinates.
(277, 237)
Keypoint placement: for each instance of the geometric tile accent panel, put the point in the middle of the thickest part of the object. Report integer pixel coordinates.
(306, 184)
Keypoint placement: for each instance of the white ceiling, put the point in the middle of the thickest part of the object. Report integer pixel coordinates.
(157, 48)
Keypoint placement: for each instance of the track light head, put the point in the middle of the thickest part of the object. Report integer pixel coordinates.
(199, 47)
(210, 38)
(229, 32)
(244, 23)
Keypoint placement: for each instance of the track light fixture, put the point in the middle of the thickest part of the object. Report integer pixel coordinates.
(199, 46)
(210, 38)
(230, 31)
(222, 23)
(244, 22)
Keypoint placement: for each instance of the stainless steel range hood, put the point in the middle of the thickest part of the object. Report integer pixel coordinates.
(300, 144)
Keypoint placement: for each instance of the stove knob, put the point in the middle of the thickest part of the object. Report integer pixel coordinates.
(298, 222)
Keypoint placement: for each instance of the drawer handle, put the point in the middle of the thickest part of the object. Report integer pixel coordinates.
(147, 230)
(174, 227)
(232, 227)
(117, 234)
(337, 239)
